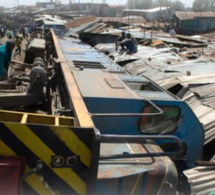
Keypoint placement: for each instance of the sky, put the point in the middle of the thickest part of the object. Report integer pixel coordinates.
(10, 3)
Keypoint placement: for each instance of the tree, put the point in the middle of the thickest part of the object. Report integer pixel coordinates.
(162, 3)
(178, 6)
(147, 4)
(204, 5)
(144, 4)
(139, 4)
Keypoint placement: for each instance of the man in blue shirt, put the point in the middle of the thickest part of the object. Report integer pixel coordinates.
(6, 51)
(130, 44)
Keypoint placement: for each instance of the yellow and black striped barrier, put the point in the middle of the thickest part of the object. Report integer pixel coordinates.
(67, 154)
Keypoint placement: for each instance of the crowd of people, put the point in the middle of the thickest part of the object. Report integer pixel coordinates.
(13, 25)
(16, 22)
(13, 29)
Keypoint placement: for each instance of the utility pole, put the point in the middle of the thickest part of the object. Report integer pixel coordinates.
(79, 8)
(200, 18)
(159, 15)
(17, 3)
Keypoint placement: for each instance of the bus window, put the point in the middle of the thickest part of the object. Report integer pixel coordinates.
(165, 123)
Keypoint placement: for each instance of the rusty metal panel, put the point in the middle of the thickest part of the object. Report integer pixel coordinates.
(125, 20)
(137, 175)
(118, 168)
(192, 15)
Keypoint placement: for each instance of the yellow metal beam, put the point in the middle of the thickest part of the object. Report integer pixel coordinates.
(24, 118)
(29, 118)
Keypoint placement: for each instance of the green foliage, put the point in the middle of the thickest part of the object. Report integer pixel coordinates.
(162, 3)
(139, 4)
(204, 5)
(178, 6)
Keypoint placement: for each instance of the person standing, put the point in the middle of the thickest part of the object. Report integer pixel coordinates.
(172, 32)
(2, 31)
(26, 31)
(23, 31)
(6, 51)
(18, 42)
(10, 34)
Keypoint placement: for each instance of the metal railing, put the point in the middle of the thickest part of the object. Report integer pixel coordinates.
(130, 114)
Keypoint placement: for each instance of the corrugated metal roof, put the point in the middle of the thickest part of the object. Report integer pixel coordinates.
(204, 92)
(201, 179)
(80, 21)
(48, 22)
(116, 6)
(163, 37)
(48, 18)
(192, 15)
(78, 29)
(125, 20)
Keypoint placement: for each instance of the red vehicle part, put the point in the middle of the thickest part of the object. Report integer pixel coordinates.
(11, 171)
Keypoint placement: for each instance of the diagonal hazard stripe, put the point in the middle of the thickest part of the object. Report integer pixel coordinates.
(43, 152)
(58, 146)
(32, 180)
(28, 189)
(72, 141)
(19, 148)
